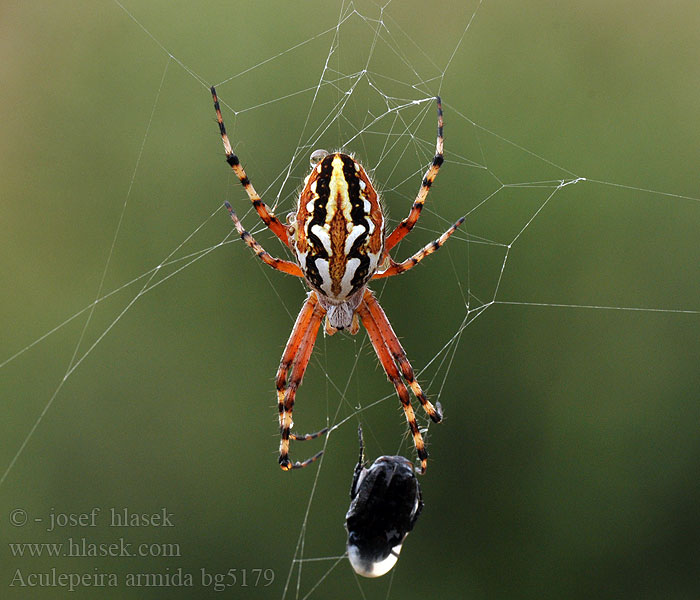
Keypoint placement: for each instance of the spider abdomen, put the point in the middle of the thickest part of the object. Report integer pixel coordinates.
(339, 231)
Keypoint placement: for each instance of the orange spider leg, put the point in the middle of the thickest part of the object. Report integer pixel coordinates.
(397, 268)
(276, 263)
(385, 358)
(399, 354)
(295, 359)
(407, 224)
(265, 214)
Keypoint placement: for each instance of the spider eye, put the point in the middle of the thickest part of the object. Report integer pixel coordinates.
(317, 156)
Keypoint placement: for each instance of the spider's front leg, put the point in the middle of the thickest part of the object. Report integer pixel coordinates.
(294, 361)
(390, 353)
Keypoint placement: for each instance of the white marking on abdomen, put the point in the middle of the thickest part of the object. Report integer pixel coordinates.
(324, 273)
(373, 261)
(357, 231)
(321, 232)
(345, 283)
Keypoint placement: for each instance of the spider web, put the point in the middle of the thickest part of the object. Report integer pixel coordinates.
(558, 327)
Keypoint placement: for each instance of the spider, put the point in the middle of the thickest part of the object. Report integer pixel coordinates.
(338, 236)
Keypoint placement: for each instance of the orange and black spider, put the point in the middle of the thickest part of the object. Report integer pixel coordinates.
(339, 239)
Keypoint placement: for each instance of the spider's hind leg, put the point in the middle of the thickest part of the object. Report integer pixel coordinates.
(405, 226)
(260, 207)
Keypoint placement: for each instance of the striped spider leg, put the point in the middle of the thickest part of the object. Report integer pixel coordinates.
(338, 237)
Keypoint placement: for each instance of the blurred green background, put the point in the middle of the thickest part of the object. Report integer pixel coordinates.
(567, 465)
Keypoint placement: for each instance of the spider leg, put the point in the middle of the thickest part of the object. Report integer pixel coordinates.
(299, 364)
(387, 360)
(360, 464)
(407, 224)
(276, 263)
(409, 263)
(265, 214)
(295, 360)
(290, 358)
(399, 354)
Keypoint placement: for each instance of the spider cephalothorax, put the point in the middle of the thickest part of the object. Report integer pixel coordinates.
(338, 237)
